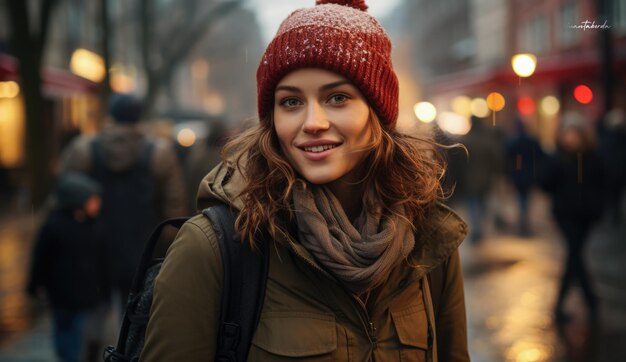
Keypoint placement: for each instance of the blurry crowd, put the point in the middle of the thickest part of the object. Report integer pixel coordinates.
(112, 189)
(583, 176)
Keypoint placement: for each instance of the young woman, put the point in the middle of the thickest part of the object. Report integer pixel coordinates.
(350, 204)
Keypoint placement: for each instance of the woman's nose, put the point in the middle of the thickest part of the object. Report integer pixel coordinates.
(316, 119)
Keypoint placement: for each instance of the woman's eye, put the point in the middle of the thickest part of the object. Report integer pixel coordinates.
(338, 98)
(290, 102)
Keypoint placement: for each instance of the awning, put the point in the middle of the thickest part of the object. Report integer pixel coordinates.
(54, 80)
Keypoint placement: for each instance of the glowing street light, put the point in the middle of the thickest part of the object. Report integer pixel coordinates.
(186, 137)
(454, 123)
(550, 105)
(479, 107)
(462, 105)
(495, 102)
(9, 89)
(583, 94)
(524, 64)
(88, 65)
(526, 105)
(425, 112)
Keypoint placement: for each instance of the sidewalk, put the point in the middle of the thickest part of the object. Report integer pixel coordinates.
(511, 285)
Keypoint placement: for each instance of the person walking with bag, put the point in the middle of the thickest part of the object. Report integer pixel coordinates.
(350, 207)
(142, 183)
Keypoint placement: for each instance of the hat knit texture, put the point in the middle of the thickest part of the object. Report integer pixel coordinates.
(338, 36)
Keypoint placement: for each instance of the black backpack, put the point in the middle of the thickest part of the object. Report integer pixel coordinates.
(128, 207)
(245, 275)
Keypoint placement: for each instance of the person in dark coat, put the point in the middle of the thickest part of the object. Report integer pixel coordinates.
(69, 263)
(573, 177)
(612, 149)
(142, 183)
(486, 163)
(523, 155)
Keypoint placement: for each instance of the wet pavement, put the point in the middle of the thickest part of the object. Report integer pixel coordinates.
(510, 282)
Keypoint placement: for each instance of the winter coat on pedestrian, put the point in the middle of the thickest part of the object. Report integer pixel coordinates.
(306, 312)
(70, 257)
(575, 182)
(122, 144)
(523, 159)
(69, 262)
(486, 157)
(142, 184)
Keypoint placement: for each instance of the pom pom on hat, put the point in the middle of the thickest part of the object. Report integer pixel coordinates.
(338, 36)
(357, 4)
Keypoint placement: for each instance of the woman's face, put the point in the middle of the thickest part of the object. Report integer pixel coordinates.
(323, 125)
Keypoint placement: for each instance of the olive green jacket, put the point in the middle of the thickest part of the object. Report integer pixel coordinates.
(307, 315)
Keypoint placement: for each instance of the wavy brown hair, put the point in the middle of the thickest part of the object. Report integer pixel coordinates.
(404, 173)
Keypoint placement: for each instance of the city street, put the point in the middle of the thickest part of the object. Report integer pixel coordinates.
(510, 286)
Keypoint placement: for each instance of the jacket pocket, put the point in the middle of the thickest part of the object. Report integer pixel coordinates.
(289, 336)
(412, 328)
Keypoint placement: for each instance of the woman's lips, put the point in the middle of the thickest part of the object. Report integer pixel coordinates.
(318, 151)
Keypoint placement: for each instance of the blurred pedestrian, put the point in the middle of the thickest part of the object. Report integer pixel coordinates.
(574, 178)
(350, 206)
(612, 149)
(523, 157)
(141, 179)
(485, 146)
(69, 266)
(202, 158)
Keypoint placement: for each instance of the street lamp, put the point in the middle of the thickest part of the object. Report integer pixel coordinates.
(495, 102)
(524, 64)
(88, 65)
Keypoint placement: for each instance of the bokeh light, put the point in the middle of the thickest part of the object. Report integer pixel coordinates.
(9, 89)
(462, 105)
(524, 64)
(454, 123)
(550, 105)
(425, 112)
(88, 65)
(526, 106)
(495, 101)
(479, 107)
(186, 137)
(583, 94)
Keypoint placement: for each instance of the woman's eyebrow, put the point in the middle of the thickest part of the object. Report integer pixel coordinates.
(325, 87)
(334, 84)
(288, 88)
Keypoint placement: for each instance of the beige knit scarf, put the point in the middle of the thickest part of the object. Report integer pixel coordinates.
(362, 255)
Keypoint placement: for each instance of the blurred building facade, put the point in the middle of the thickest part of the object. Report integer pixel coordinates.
(464, 48)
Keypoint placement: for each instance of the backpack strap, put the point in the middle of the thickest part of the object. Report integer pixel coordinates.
(138, 281)
(245, 278)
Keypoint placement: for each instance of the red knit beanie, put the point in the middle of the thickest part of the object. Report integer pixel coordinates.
(339, 36)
